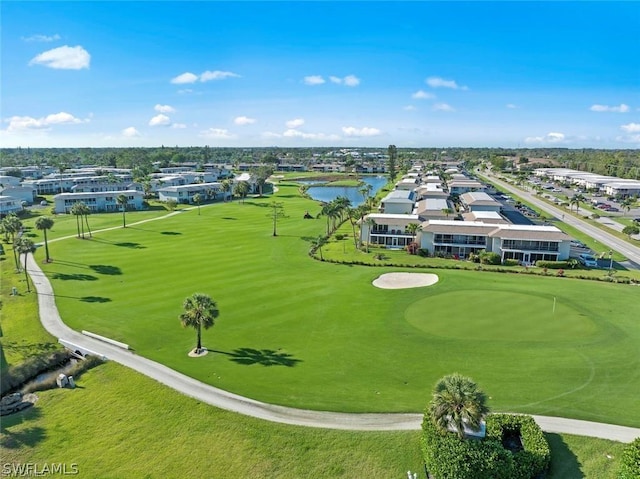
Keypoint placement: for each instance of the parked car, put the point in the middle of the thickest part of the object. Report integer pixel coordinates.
(613, 209)
(588, 260)
(578, 244)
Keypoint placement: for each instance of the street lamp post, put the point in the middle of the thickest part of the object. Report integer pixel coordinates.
(610, 260)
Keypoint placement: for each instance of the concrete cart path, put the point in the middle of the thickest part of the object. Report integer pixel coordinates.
(52, 322)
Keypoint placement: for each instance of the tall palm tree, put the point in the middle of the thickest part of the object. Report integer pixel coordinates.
(457, 402)
(122, 201)
(86, 211)
(576, 200)
(200, 311)
(365, 191)
(12, 225)
(371, 223)
(226, 188)
(197, 199)
(25, 246)
(317, 244)
(44, 223)
(76, 210)
(627, 204)
(241, 189)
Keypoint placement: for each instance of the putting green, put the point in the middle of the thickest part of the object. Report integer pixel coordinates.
(506, 316)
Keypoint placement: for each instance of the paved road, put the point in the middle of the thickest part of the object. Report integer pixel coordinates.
(607, 240)
(52, 322)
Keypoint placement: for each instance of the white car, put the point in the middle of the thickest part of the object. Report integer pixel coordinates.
(588, 260)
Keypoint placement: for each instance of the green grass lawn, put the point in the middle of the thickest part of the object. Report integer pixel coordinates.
(118, 423)
(310, 334)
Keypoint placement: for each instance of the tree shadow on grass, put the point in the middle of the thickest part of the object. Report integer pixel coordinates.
(74, 277)
(170, 233)
(105, 269)
(228, 218)
(95, 299)
(28, 437)
(266, 357)
(130, 245)
(564, 463)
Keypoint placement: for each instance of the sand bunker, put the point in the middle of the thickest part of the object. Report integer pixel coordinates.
(404, 280)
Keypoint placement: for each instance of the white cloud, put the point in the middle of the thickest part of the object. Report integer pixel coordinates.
(631, 127)
(244, 120)
(365, 131)
(178, 126)
(409, 108)
(217, 134)
(314, 80)
(63, 58)
(185, 91)
(160, 120)
(186, 77)
(271, 134)
(552, 137)
(423, 95)
(295, 123)
(629, 139)
(511, 106)
(17, 123)
(291, 133)
(443, 107)
(437, 82)
(622, 108)
(164, 109)
(217, 75)
(349, 80)
(42, 38)
(130, 132)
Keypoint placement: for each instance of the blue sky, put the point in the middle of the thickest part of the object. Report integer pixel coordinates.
(368, 73)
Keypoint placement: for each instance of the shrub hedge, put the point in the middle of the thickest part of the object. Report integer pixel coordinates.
(630, 463)
(448, 457)
(535, 457)
(553, 264)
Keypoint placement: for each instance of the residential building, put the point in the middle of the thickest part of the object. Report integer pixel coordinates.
(389, 230)
(185, 193)
(98, 201)
(398, 202)
(479, 201)
(26, 193)
(8, 205)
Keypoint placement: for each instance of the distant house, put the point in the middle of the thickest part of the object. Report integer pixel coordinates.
(525, 243)
(434, 209)
(430, 190)
(9, 181)
(99, 201)
(26, 193)
(458, 187)
(185, 193)
(8, 205)
(398, 202)
(479, 201)
(389, 230)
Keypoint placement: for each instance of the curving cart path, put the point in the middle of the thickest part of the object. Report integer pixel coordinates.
(52, 322)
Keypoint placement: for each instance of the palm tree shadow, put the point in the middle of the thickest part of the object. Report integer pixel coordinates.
(564, 462)
(30, 436)
(265, 357)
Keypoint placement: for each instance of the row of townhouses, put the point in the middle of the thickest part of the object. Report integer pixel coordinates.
(457, 218)
(608, 185)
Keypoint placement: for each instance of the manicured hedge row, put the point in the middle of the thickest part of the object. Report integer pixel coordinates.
(448, 457)
(630, 464)
(553, 264)
(534, 459)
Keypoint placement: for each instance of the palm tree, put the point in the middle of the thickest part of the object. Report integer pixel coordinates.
(25, 246)
(317, 244)
(226, 188)
(45, 223)
(371, 223)
(86, 211)
(12, 225)
(122, 201)
(76, 210)
(365, 191)
(576, 200)
(241, 189)
(197, 199)
(627, 204)
(447, 212)
(413, 228)
(457, 402)
(200, 311)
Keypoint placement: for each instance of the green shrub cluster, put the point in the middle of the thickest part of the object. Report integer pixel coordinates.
(535, 457)
(511, 262)
(29, 369)
(630, 461)
(553, 264)
(489, 257)
(448, 457)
